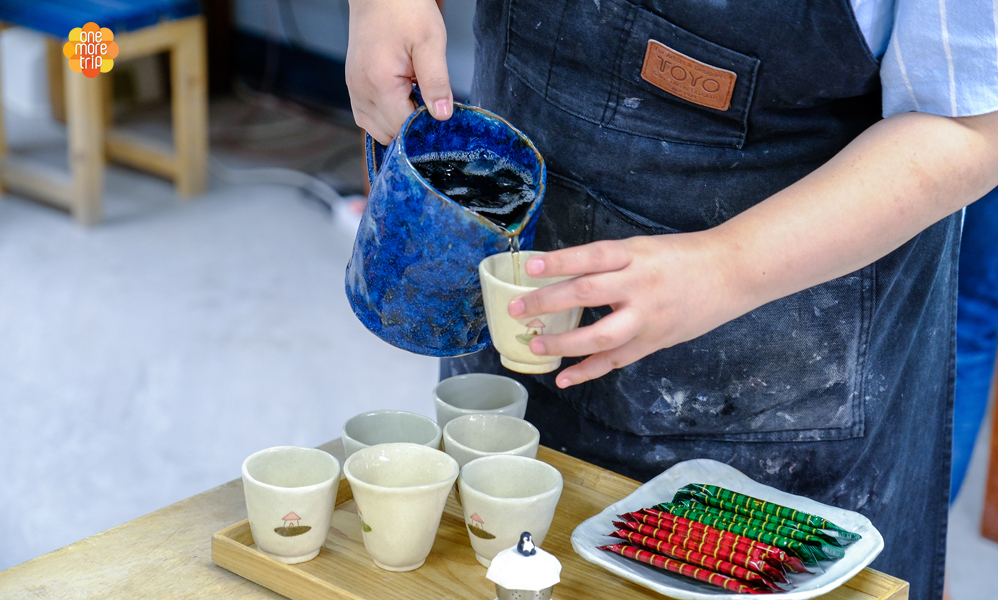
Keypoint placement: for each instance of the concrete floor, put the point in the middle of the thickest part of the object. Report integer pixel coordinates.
(143, 359)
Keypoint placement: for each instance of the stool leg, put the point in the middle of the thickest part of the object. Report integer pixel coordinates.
(989, 520)
(189, 79)
(56, 61)
(85, 125)
(3, 134)
(107, 98)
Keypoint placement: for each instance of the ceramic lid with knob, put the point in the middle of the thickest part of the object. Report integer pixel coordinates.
(524, 567)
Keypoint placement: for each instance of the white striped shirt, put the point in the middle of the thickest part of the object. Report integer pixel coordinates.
(937, 56)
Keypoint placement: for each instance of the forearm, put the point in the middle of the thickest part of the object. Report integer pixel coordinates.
(897, 178)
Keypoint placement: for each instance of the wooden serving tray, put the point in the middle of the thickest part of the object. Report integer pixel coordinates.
(344, 570)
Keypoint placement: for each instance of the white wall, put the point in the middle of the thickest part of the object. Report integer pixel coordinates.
(23, 64)
(323, 25)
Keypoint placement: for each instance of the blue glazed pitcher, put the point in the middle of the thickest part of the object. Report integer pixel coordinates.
(413, 276)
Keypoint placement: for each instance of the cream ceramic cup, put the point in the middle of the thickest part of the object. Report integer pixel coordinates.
(400, 490)
(474, 436)
(477, 393)
(503, 496)
(290, 493)
(386, 426)
(512, 336)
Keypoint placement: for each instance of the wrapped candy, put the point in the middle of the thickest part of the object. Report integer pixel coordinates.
(754, 563)
(724, 539)
(790, 531)
(767, 507)
(695, 558)
(806, 552)
(685, 569)
(752, 513)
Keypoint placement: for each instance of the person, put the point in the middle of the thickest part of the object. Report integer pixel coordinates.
(767, 265)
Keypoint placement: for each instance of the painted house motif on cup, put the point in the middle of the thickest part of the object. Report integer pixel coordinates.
(292, 526)
(534, 329)
(477, 528)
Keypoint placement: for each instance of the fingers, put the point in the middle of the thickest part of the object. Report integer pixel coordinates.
(600, 364)
(611, 332)
(390, 43)
(374, 126)
(597, 257)
(601, 289)
(429, 61)
(597, 263)
(395, 106)
(381, 109)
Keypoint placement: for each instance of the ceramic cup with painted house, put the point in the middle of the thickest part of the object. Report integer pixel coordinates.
(400, 490)
(510, 335)
(290, 493)
(503, 496)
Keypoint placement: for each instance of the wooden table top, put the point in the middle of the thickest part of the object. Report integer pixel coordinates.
(167, 555)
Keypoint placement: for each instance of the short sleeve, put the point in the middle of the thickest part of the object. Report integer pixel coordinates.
(942, 58)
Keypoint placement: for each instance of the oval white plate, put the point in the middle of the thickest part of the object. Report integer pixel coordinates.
(593, 532)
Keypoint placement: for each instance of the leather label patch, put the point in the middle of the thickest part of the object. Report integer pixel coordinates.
(687, 78)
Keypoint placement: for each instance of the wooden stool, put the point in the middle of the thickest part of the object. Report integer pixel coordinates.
(989, 519)
(141, 28)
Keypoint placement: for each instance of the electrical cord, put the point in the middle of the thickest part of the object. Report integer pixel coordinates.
(309, 184)
(283, 21)
(289, 23)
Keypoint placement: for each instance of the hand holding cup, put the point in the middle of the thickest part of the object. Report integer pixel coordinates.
(510, 335)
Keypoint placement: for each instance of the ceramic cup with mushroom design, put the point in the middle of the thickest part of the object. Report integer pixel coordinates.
(503, 496)
(401, 490)
(290, 493)
(512, 336)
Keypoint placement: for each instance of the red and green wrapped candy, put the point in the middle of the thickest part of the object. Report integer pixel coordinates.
(789, 531)
(727, 539)
(806, 552)
(677, 566)
(724, 505)
(768, 507)
(724, 539)
(710, 548)
(695, 558)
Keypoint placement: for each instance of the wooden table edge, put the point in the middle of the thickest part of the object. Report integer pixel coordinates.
(103, 566)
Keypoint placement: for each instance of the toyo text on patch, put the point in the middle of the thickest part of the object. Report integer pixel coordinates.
(687, 78)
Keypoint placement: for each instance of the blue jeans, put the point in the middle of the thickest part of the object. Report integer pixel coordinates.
(976, 330)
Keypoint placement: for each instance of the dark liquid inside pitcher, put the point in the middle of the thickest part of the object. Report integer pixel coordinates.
(491, 187)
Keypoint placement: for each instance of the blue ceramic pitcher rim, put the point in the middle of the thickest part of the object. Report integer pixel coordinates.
(539, 185)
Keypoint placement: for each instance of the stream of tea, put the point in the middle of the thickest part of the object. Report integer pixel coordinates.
(514, 251)
(491, 187)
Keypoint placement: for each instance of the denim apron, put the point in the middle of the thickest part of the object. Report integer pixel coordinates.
(842, 392)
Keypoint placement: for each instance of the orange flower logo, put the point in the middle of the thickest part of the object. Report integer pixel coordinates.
(90, 50)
